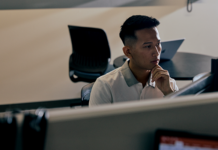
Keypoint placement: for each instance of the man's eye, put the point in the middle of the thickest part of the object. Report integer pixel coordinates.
(147, 46)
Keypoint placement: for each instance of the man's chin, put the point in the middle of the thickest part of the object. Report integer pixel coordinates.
(154, 66)
(150, 67)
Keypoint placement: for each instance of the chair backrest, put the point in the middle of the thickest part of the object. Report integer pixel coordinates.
(85, 93)
(91, 51)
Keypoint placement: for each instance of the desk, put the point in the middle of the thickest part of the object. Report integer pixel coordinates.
(183, 66)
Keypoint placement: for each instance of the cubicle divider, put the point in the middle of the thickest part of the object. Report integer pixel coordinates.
(122, 126)
(131, 125)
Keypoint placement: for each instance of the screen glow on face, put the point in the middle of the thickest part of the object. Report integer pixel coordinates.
(181, 143)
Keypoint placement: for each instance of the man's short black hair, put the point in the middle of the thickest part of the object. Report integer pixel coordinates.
(136, 22)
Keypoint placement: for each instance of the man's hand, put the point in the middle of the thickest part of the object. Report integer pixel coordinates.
(162, 79)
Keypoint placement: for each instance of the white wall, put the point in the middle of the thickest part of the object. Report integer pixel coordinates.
(199, 28)
(35, 44)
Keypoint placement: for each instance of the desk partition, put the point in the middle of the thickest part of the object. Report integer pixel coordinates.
(130, 125)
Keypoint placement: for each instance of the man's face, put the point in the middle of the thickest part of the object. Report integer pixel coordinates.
(145, 51)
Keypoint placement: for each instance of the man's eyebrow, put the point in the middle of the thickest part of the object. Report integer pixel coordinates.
(147, 43)
(150, 42)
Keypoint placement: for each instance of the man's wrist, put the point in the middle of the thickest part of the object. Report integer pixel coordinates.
(170, 90)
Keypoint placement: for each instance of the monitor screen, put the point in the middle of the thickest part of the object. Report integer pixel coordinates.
(174, 140)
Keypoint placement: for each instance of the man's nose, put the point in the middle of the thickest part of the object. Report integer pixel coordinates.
(156, 51)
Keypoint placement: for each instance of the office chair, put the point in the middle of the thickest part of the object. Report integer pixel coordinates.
(85, 93)
(91, 54)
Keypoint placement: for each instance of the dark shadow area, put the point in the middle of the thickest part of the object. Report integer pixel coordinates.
(156, 3)
(39, 4)
(45, 104)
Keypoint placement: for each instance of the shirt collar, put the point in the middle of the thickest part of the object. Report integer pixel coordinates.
(130, 78)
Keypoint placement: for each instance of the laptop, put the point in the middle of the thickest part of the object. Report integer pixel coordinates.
(169, 48)
(180, 140)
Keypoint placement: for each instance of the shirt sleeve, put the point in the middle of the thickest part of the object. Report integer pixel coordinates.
(100, 94)
(173, 85)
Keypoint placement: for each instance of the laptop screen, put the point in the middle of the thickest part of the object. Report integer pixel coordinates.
(174, 140)
(169, 48)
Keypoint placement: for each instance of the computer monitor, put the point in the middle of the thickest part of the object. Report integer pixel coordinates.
(182, 140)
(202, 85)
(207, 83)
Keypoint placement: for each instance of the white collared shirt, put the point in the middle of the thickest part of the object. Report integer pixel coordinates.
(121, 85)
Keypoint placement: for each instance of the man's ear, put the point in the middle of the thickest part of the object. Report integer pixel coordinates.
(127, 51)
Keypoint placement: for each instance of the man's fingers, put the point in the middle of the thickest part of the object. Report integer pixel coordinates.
(159, 76)
(158, 71)
(157, 66)
(162, 73)
(155, 71)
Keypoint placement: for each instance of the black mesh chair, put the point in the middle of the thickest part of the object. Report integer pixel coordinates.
(91, 54)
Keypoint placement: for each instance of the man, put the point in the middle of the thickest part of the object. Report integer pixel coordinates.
(140, 77)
